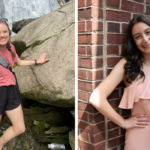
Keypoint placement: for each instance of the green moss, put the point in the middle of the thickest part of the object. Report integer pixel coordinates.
(15, 65)
(58, 130)
(40, 128)
(26, 146)
(19, 142)
(36, 43)
(20, 47)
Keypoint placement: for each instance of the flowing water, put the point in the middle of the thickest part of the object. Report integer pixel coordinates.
(15, 10)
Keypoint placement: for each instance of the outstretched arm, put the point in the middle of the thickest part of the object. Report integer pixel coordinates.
(42, 59)
(99, 99)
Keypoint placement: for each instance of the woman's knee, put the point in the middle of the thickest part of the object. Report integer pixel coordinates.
(20, 129)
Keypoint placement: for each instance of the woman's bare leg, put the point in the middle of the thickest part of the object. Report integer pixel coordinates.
(18, 126)
(0, 118)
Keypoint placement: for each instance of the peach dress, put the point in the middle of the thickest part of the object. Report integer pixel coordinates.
(137, 98)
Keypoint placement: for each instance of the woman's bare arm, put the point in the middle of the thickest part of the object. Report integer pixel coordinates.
(42, 59)
(99, 98)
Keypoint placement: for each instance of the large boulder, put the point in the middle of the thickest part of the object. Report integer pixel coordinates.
(51, 83)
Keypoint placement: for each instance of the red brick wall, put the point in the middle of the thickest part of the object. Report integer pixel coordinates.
(101, 32)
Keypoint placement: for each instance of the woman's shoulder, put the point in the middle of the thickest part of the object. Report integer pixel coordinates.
(123, 61)
(120, 65)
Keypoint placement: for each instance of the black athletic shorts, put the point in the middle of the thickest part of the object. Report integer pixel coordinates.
(9, 98)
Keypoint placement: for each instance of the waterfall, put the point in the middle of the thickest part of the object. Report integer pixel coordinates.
(15, 10)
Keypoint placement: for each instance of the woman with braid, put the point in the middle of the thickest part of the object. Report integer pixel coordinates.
(9, 96)
(134, 71)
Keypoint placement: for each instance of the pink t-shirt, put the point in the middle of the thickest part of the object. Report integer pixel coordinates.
(6, 77)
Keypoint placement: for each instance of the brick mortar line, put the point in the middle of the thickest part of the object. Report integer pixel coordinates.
(85, 2)
(120, 50)
(90, 142)
(121, 10)
(116, 147)
(90, 44)
(103, 20)
(115, 138)
(84, 91)
(113, 128)
(91, 132)
(91, 123)
(99, 44)
(79, 33)
(90, 113)
(99, 32)
(83, 101)
(90, 69)
(89, 20)
(89, 32)
(90, 81)
(99, 68)
(145, 6)
(105, 63)
(109, 100)
(112, 148)
(86, 7)
(137, 2)
(90, 57)
(120, 4)
(107, 56)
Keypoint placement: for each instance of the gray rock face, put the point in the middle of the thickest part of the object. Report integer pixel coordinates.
(53, 82)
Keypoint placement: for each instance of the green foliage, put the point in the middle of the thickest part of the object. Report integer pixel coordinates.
(39, 129)
(20, 47)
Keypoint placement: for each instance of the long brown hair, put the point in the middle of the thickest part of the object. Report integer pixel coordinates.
(134, 64)
(8, 44)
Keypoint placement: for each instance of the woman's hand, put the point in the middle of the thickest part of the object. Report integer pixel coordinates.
(137, 121)
(42, 59)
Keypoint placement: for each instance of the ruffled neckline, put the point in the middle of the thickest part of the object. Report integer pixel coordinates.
(133, 94)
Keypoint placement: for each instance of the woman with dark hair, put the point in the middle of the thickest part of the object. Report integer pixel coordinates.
(134, 71)
(10, 101)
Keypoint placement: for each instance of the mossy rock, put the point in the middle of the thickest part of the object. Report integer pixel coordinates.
(20, 47)
(36, 43)
(57, 130)
(37, 110)
(39, 129)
